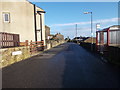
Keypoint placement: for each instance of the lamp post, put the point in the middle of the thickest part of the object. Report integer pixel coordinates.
(91, 29)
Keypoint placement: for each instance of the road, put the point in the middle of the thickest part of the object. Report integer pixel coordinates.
(65, 66)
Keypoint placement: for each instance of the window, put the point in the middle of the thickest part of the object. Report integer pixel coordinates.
(6, 17)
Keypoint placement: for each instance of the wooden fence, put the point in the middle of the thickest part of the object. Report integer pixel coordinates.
(9, 40)
(34, 46)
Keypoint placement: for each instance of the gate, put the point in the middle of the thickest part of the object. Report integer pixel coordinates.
(36, 46)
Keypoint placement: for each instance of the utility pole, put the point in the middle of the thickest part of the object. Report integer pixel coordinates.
(91, 30)
(76, 29)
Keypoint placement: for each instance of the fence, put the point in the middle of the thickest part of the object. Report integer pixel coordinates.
(9, 40)
(36, 46)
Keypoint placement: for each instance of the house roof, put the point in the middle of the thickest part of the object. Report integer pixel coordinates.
(114, 27)
(51, 35)
(47, 26)
(58, 34)
(39, 8)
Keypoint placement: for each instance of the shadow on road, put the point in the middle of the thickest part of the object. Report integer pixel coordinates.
(65, 66)
(84, 70)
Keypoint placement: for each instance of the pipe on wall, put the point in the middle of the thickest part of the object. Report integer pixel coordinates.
(35, 22)
(41, 25)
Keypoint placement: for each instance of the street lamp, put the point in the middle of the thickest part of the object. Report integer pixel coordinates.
(91, 28)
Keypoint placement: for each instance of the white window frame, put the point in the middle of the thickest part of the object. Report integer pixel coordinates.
(4, 18)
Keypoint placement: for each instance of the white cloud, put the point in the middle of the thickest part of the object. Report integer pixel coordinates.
(102, 21)
(78, 29)
(82, 30)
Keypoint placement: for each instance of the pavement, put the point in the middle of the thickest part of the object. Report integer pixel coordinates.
(65, 66)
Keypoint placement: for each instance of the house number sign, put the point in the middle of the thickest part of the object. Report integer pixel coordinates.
(17, 53)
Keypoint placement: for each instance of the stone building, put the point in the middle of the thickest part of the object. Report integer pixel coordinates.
(47, 32)
(59, 36)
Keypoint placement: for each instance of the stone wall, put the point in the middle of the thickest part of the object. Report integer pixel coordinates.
(53, 43)
(16, 54)
(8, 55)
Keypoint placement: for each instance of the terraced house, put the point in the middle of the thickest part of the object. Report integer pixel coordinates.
(20, 20)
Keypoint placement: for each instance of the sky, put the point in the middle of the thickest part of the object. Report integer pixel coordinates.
(62, 17)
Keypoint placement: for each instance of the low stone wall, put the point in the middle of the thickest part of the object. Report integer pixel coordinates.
(112, 54)
(89, 46)
(53, 43)
(16, 54)
(12, 55)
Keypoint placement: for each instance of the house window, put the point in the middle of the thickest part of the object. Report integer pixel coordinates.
(6, 17)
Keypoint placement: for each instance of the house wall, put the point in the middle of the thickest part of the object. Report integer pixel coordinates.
(1, 17)
(21, 20)
(43, 28)
(59, 36)
(39, 25)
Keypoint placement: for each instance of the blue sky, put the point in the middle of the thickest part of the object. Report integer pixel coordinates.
(62, 16)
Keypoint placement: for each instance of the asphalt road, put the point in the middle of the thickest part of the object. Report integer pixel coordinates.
(65, 66)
